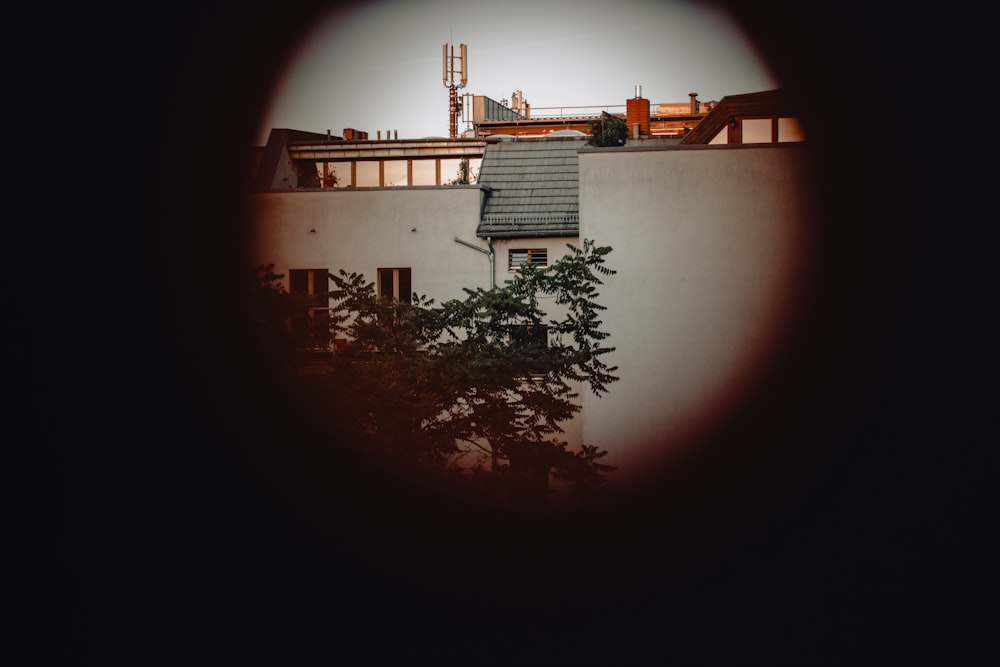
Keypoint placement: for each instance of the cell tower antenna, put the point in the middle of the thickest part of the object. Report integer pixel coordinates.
(452, 65)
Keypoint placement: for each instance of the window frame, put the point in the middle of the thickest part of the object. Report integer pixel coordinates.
(397, 271)
(540, 333)
(314, 333)
(543, 254)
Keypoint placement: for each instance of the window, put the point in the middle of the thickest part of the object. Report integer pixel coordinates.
(395, 284)
(537, 333)
(790, 129)
(758, 131)
(535, 257)
(531, 334)
(311, 330)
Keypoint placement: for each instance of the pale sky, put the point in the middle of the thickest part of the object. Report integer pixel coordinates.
(379, 67)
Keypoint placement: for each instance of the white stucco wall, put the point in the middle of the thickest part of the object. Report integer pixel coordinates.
(707, 243)
(555, 247)
(364, 230)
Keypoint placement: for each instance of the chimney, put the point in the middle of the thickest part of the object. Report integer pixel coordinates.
(637, 113)
(694, 103)
(355, 135)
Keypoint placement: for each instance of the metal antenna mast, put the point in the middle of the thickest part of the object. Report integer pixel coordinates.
(448, 70)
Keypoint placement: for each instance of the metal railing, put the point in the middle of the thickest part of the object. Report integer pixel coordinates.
(595, 111)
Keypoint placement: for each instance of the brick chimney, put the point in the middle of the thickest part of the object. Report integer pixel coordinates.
(637, 113)
(694, 103)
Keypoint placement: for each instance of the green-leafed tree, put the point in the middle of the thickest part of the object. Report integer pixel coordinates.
(464, 175)
(273, 312)
(608, 130)
(474, 391)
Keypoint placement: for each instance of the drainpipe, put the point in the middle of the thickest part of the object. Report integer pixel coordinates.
(489, 253)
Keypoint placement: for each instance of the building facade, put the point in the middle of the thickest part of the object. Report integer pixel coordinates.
(709, 240)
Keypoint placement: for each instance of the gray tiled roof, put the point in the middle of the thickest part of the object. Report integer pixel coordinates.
(534, 188)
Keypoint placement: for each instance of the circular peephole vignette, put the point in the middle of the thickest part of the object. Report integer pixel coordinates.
(783, 406)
